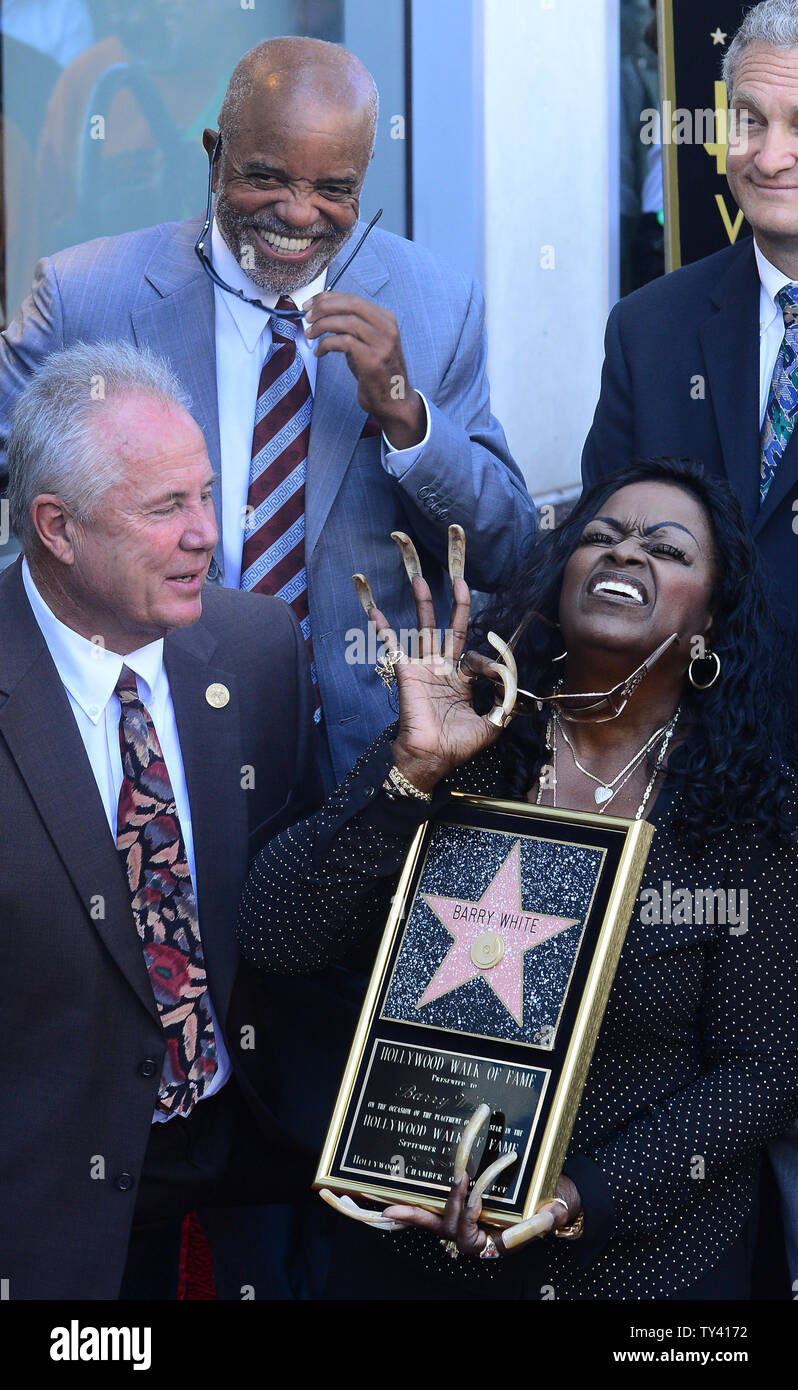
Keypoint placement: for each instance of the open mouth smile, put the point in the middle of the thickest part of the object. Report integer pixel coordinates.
(618, 588)
(287, 248)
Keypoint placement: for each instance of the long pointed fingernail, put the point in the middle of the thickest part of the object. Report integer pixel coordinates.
(457, 547)
(409, 555)
(364, 592)
(486, 1179)
(537, 1225)
(468, 1139)
(501, 714)
(345, 1206)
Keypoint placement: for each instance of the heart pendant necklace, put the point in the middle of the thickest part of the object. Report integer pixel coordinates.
(605, 791)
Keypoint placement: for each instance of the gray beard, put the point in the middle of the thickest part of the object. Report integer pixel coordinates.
(269, 275)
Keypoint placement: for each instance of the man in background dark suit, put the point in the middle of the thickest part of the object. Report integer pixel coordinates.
(704, 362)
(153, 733)
(691, 358)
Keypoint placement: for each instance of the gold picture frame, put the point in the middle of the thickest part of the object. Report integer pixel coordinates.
(439, 1033)
(670, 169)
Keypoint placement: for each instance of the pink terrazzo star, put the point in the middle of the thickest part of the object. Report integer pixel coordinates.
(497, 914)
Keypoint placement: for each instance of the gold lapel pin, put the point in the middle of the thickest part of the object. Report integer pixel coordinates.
(217, 695)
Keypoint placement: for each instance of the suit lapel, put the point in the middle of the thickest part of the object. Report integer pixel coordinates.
(212, 751)
(338, 420)
(730, 342)
(180, 325)
(39, 728)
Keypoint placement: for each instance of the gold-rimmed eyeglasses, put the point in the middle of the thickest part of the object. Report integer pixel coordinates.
(594, 706)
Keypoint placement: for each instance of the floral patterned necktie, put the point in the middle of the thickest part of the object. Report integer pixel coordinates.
(782, 406)
(150, 841)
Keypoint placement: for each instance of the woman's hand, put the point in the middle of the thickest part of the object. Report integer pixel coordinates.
(459, 1221)
(438, 726)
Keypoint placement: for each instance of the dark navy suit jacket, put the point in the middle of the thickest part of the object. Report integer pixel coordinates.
(681, 376)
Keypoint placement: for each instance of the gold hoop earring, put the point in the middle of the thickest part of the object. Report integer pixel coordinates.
(710, 656)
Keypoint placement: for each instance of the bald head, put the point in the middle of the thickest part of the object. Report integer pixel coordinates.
(285, 72)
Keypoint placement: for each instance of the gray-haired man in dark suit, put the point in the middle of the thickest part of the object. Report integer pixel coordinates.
(153, 732)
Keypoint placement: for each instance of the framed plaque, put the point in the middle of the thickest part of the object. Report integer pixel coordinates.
(489, 986)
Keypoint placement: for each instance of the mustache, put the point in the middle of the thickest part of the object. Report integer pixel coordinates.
(278, 228)
(275, 225)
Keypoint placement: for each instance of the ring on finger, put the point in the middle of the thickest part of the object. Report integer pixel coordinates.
(458, 666)
(450, 1246)
(386, 667)
(489, 1250)
(574, 1231)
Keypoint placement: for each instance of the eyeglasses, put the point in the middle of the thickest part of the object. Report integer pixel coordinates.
(596, 706)
(207, 266)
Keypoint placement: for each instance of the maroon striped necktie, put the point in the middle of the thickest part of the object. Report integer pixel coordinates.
(273, 557)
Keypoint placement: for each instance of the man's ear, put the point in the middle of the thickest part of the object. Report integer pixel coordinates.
(55, 527)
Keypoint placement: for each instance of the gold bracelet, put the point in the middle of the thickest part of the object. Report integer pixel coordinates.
(397, 784)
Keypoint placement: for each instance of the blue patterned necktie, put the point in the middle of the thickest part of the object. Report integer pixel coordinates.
(273, 557)
(782, 406)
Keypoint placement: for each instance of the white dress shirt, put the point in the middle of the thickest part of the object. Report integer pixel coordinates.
(243, 339)
(89, 674)
(771, 324)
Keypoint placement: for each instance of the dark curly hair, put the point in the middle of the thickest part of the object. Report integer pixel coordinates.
(732, 769)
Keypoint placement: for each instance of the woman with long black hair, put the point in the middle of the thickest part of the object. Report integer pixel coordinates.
(696, 1065)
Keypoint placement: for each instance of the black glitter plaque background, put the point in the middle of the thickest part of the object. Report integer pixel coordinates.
(556, 878)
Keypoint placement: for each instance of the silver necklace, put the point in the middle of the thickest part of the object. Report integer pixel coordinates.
(605, 791)
(551, 747)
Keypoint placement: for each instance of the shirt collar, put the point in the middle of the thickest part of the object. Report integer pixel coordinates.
(89, 671)
(248, 318)
(772, 280)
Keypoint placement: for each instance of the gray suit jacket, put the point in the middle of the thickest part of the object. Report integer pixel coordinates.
(148, 287)
(80, 1025)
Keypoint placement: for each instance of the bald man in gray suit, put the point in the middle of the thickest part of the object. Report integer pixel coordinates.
(401, 434)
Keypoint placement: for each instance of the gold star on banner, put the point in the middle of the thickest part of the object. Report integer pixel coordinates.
(718, 37)
(491, 938)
